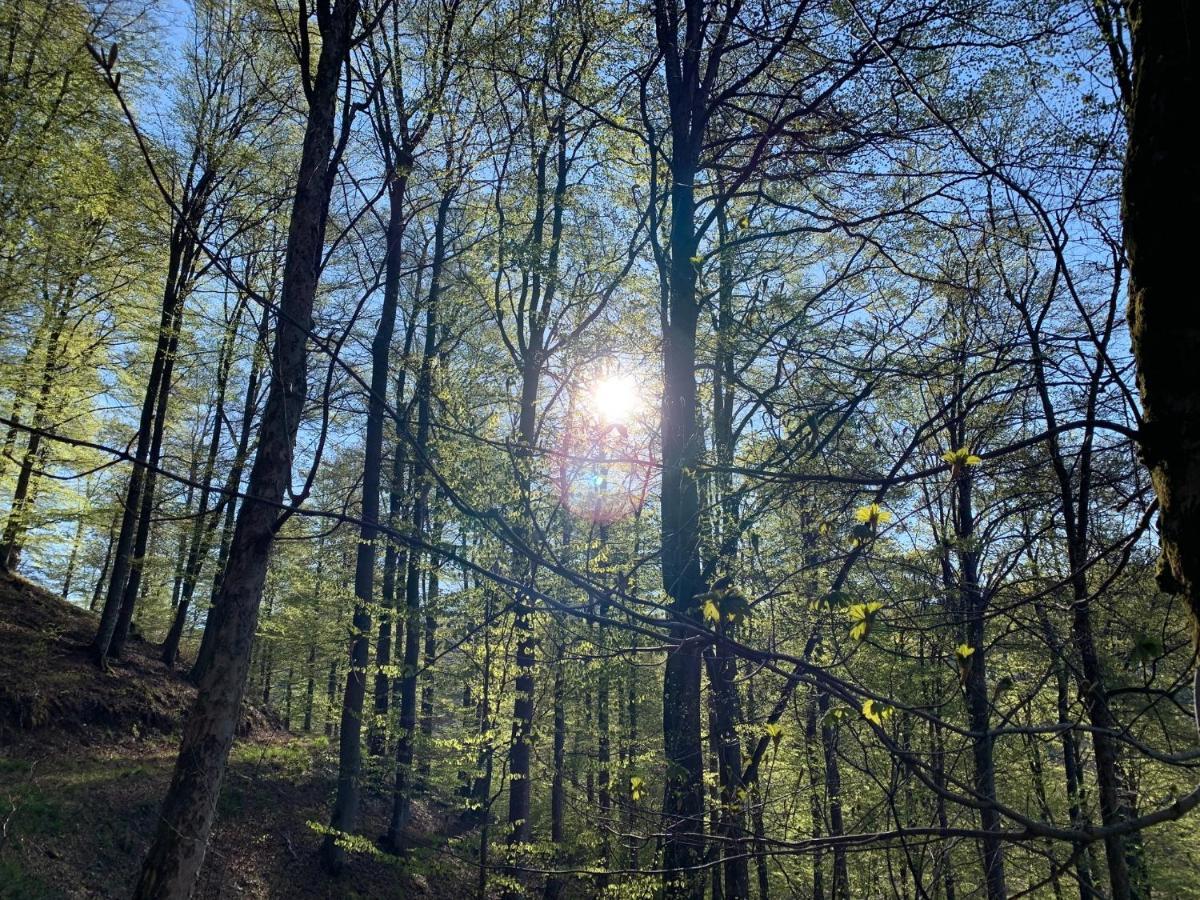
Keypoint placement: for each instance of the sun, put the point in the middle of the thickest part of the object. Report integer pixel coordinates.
(615, 399)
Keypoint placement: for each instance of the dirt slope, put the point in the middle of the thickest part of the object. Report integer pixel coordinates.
(85, 759)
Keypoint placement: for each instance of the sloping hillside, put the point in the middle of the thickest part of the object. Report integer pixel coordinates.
(49, 688)
(85, 758)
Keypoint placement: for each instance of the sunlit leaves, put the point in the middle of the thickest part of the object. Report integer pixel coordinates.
(830, 600)
(963, 654)
(876, 713)
(863, 616)
(872, 515)
(723, 602)
(960, 460)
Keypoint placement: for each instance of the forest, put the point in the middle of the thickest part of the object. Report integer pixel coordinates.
(629, 449)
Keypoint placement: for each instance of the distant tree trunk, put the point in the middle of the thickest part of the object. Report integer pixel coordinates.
(287, 702)
(205, 522)
(833, 799)
(430, 656)
(402, 795)
(973, 605)
(395, 560)
(232, 483)
(721, 662)
(537, 299)
(344, 818)
(1162, 188)
(76, 542)
(22, 502)
(175, 857)
(102, 576)
(331, 684)
(555, 884)
(181, 543)
(815, 792)
(139, 496)
(19, 401)
(310, 689)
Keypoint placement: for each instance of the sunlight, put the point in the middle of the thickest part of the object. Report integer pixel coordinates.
(615, 399)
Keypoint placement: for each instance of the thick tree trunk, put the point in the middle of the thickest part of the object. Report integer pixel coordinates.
(175, 857)
(683, 795)
(1162, 188)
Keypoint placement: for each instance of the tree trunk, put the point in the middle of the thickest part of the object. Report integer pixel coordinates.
(22, 502)
(430, 656)
(206, 520)
(232, 484)
(115, 617)
(1162, 187)
(175, 857)
(344, 818)
(402, 795)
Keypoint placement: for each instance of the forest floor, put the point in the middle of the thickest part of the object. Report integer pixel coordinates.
(86, 756)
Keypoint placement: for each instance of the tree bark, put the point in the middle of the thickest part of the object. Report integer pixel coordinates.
(1162, 188)
(180, 262)
(344, 818)
(402, 795)
(173, 862)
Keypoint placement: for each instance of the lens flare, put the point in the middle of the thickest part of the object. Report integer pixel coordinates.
(603, 475)
(615, 399)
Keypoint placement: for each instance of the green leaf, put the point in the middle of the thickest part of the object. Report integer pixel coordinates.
(863, 616)
(872, 515)
(876, 712)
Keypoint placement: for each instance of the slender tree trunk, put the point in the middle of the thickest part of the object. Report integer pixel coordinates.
(427, 678)
(344, 818)
(395, 560)
(102, 577)
(23, 491)
(181, 256)
(402, 795)
(833, 800)
(205, 522)
(175, 857)
(555, 884)
(310, 688)
(76, 542)
(232, 484)
(815, 791)
(331, 684)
